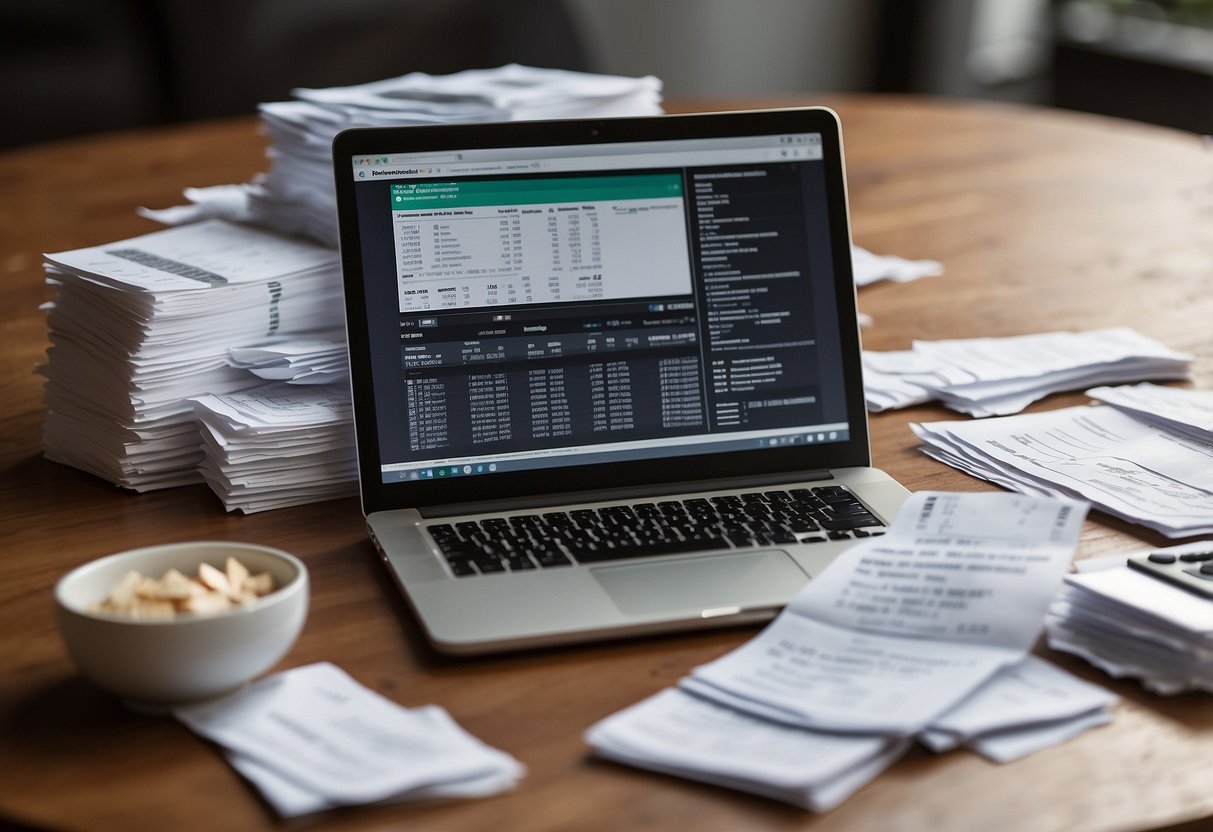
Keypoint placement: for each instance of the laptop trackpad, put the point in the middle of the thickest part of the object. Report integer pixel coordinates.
(749, 579)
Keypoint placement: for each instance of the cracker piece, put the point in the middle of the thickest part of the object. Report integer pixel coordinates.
(237, 574)
(122, 596)
(172, 586)
(147, 588)
(260, 584)
(150, 608)
(206, 602)
(213, 578)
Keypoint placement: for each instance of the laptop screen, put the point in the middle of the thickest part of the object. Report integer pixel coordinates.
(614, 301)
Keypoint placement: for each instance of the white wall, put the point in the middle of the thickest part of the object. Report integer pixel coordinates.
(725, 47)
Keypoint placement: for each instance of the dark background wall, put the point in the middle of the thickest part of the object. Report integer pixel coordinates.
(79, 66)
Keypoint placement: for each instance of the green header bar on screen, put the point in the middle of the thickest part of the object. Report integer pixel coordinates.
(416, 196)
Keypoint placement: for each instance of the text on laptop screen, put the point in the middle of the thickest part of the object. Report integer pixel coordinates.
(556, 306)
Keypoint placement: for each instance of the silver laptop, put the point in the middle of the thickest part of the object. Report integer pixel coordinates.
(606, 373)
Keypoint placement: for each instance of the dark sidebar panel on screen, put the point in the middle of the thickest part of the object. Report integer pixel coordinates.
(762, 253)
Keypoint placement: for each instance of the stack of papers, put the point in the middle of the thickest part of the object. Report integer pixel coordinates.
(1142, 471)
(296, 196)
(139, 326)
(277, 445)
(922, 632)
(1131, 624)
(318, 360)
(998, 376)
(312, 739)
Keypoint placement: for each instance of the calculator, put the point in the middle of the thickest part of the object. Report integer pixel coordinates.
(1191, 570)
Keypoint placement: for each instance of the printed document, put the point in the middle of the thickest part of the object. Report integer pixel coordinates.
(903, 627)
(997, 376)
(920, 634)
(278, 445)
(1131, 624)
(1021, 709)
(1186, 411)
(675, 732)
(209, 253)
(1127, 467)
(312, 737)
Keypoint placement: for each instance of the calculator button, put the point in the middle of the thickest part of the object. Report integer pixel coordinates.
(1161, 557)
(1196, 557)
(1206, 569)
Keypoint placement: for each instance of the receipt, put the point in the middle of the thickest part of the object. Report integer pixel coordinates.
(901, 628)
(677, 733)
(320, 733)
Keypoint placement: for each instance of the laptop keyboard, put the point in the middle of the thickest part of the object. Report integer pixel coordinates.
(551, 539)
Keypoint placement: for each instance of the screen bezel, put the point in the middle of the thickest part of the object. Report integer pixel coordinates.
(369, 141)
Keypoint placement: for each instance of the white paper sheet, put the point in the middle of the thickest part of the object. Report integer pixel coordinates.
(1187, 411)
(902, 627)
(997, 376)
(324, 734)
(208, 253)
(1022, 708)
(1142, 473)
(870, 268)
(678, 733)
(278, 445)
(1008, 746)
(1130, 624)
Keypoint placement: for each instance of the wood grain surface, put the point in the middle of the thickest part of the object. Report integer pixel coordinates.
(1044, 220)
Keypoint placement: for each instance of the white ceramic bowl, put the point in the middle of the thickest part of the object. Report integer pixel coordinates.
(157, 664)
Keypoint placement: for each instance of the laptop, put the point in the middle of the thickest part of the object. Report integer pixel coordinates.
(606, 373)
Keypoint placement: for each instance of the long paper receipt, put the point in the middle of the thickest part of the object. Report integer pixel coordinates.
(902, 627)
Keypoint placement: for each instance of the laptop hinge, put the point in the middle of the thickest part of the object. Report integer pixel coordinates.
(629, 493)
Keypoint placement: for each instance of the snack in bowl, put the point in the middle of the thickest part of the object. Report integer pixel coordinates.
(164, 654)
(173, 592)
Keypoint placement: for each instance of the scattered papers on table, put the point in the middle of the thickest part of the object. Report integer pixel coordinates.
(998, 376)
(1130, 624)
(923, 631)
(139, 326)
(312, 738)
(1189, 412)
(296, 195)
(869, 268)
(1122, 465)
(278, 445)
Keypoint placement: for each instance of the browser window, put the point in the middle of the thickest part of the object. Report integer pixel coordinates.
(609, 301)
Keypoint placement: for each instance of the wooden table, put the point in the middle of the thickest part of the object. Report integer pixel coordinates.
(1044, 220)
